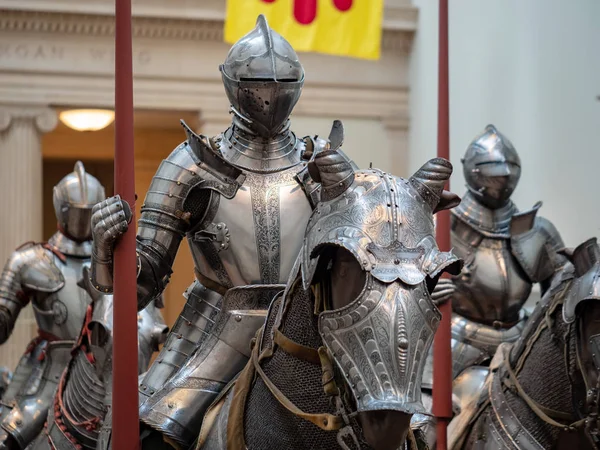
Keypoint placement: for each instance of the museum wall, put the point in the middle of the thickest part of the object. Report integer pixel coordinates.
(532, 69)
(365, 141)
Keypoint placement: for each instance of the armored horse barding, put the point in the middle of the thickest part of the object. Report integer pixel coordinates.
(80, 415)
(543, 391)
(339, 361)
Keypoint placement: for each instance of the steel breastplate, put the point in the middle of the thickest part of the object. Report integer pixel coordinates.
(472, 344)
(492, 286)
(254, 237)
(62, 313)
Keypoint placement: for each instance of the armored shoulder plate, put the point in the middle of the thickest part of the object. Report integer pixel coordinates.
(586, 286)
(535, 243)
(218, 173)
(37, 268)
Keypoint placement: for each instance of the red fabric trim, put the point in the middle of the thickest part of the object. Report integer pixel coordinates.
(86, 334)
(60, 411)
(27, 243)
(56, 251)
(44, 335)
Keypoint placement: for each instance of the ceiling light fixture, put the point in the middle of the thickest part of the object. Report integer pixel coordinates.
(87, 119)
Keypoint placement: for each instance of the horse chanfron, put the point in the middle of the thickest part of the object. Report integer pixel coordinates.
(340, 359)
(375, 278)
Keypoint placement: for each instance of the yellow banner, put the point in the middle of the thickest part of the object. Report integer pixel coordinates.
(335, 27)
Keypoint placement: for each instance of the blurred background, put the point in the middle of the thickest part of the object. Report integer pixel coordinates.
(532, 68)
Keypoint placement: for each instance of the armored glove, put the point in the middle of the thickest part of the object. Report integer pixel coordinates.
(443, 291)
(110, 220)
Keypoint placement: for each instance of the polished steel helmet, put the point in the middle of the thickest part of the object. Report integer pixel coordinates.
(492, 168)
(263, 79)
(73, 198)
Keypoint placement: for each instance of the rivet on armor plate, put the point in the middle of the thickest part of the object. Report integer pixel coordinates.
(238, 318)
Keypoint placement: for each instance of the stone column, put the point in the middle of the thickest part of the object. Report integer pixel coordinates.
(21, 129)
(397, 127)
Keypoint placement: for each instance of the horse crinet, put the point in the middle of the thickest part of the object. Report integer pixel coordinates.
(340, 359)
(46, 275)
(543, 391)
(505, 253)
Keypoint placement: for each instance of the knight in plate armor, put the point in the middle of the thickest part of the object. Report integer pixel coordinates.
(505, 252)
(80, 414)
(46, 274)
(542, 391)
(242, 199)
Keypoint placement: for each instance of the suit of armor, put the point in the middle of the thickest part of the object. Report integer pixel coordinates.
(242, 199)
(505, 253)
(46, 274)
(78, 415)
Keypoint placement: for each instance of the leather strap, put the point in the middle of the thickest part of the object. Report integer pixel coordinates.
(325, 421)
(56, 251)
(210, 284)
(237, 409)
(511, 428)
(546, 414)
(300, 351)
(210, 417)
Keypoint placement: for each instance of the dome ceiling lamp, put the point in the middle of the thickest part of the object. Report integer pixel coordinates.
(87, 119)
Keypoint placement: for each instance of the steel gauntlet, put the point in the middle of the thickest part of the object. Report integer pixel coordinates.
(110, 220)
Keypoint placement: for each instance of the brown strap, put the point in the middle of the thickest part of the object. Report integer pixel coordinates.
(546, 414)
(210, 417)
(300, 351)
(325, 421)
(328, 377)
(210, 284)
(412, 440)
(237, 409)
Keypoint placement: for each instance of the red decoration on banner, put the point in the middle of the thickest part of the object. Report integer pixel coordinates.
(305, 11)
(343, 5)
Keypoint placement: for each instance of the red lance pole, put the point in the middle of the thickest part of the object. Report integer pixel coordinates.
(442, 355)
(125, 423)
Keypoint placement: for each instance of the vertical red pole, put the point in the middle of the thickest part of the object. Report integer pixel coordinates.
(442, 355)
(125, 423)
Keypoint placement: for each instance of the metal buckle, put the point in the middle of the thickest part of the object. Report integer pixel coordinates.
(215, 232)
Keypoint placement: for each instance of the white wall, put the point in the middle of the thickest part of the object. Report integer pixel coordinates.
(532, 68)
